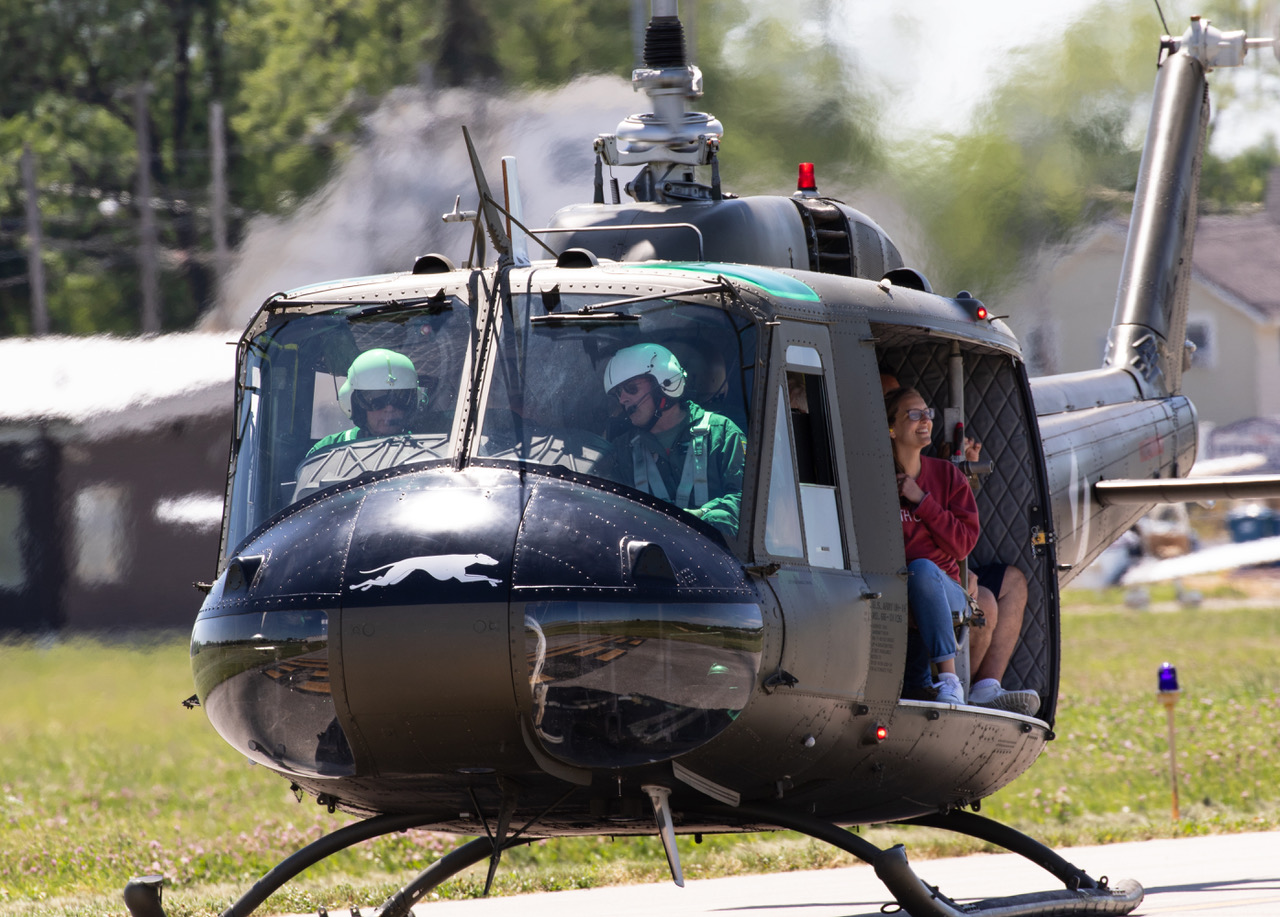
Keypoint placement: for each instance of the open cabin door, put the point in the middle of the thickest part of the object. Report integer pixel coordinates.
(1013, 499)
(806, 519)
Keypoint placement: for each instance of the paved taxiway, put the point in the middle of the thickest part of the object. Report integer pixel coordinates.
(1235, 875)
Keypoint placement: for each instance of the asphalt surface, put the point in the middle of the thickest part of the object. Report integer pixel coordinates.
(1235, 875)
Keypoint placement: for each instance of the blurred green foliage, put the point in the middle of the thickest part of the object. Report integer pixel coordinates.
(1047, 154)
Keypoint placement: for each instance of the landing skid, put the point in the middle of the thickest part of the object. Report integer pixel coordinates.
(1082, 894)
(142, 896)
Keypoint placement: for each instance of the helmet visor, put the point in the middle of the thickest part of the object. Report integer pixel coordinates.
(375, 400)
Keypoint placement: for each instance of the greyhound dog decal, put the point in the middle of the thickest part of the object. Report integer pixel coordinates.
(440, 566)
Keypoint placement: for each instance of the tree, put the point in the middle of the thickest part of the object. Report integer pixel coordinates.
(1046, 156)
(70, 71)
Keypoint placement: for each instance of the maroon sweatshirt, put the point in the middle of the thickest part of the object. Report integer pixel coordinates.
(943, 526)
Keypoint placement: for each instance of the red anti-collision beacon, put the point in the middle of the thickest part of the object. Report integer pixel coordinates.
(806, 182)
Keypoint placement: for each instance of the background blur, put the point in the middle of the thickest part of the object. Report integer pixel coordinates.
(165, 165)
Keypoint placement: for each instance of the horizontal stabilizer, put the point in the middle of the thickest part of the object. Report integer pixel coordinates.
(1188, 490)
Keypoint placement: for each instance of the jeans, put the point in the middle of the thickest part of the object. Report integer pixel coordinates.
(932, 596)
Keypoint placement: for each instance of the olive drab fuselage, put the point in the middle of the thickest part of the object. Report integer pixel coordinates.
(480, 624)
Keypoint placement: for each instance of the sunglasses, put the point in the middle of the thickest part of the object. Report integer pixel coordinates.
(631, 386)
(920, 414)
(401, 398)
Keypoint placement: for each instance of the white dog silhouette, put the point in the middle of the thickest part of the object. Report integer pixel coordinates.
(440, 566)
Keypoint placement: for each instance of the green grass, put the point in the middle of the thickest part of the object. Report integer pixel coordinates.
(103, 775)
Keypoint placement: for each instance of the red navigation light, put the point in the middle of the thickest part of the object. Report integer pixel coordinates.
(977, 311)
(875, 734)
(807, 182)
(881, 733)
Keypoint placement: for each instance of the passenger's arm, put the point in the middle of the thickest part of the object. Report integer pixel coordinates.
(950, 513)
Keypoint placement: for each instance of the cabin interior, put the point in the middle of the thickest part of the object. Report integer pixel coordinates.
(1011, 499)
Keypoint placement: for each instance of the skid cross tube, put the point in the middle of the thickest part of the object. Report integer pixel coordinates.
(316, 851)
(449, 865)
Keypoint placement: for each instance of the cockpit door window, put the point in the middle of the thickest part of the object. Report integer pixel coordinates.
(782, 520)
(806, 417)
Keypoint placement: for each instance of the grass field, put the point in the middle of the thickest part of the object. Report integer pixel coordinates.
(103, 775)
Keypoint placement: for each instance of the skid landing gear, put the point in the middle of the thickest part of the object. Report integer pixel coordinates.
(1082, 894)
(142, 895)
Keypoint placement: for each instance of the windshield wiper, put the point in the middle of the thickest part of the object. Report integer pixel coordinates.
(591, 309)
(584, 318)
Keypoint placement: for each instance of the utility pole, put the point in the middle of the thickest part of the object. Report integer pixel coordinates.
(218, 193)
(147, 241)
(35, 245)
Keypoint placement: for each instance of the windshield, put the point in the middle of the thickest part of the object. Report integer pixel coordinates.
(301, 426)
(325, 398)
(682, 441)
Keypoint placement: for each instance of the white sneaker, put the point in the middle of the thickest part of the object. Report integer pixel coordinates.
(1024, 702)
(950, 691)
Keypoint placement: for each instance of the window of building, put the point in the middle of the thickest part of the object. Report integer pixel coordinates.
(13, 575)
(1202, 331)
(100, 524)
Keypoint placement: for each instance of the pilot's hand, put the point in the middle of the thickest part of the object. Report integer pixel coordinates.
(972, 449)
(909, 490)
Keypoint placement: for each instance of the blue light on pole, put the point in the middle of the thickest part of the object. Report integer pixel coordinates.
(1167, 687)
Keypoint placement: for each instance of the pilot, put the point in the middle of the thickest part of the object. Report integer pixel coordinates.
(676, 450)
(381, 394)
(939, 529)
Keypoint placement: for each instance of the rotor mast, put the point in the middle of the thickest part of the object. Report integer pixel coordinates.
(670, 141)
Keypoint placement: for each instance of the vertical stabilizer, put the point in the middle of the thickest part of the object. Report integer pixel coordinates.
(1149, 329)
(1148, 333)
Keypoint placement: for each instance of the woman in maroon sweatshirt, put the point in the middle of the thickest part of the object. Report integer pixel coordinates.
(939, 529)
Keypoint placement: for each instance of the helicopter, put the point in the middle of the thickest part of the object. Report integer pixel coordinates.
(473, 625)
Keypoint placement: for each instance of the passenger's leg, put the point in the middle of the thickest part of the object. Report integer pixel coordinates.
(988, 672)
(931, 595)
(980, 637)
(1011, 605)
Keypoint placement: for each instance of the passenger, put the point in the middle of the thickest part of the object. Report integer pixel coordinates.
(939, 529)
(1002, 595)
(991, 647)
(677, 451)
(381, 394)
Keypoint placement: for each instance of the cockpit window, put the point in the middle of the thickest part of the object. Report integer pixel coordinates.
(327, 397)
(558, 396)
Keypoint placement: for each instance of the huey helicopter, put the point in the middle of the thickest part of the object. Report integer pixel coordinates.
(470, 625)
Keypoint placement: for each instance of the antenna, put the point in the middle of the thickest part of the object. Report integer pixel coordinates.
(488, 210)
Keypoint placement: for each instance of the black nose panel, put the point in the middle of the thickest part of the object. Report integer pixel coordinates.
(579, 537)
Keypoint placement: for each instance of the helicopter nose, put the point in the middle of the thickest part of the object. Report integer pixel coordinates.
(408, 626)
